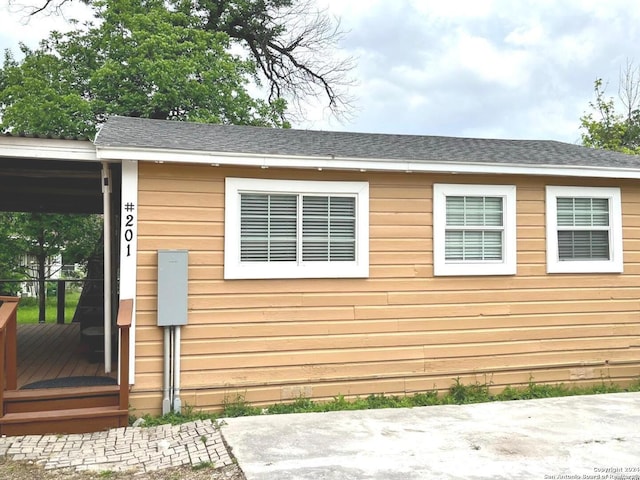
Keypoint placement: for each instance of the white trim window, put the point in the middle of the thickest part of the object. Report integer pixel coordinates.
(474, 229)
(296, 229)
(584, 230)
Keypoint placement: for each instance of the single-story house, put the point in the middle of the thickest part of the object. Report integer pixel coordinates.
(329, 263)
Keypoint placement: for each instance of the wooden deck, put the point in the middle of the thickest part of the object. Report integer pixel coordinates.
(50, 350)
(31, 353)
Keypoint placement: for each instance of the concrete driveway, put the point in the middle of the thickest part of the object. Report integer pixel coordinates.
(584, 437)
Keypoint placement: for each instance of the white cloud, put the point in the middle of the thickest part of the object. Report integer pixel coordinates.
(490, 68)
(530, 35)
(455, 9)
(19, 27)
(489, 63)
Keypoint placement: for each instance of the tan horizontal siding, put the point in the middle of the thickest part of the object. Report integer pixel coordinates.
(408, 284)
(399, 331)
(413, 370)
(430, 298)
(182, 213)
(342, 323)
(480, 341)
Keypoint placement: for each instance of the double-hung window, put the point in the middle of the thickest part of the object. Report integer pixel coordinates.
(584, 230)
(296, 229)
(474, 229)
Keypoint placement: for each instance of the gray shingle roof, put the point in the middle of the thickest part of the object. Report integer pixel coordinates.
(163, 134)
(48, 137)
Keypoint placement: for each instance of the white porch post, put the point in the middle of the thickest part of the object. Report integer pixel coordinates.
(129, 248)
(106, 200)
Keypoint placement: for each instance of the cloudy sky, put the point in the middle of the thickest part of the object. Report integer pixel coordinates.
(471, 68)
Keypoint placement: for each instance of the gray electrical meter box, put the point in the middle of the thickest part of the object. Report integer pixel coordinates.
(173, 268)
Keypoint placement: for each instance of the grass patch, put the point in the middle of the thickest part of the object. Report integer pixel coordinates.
(28, 308)
(463, 394)
(188, 414)
(239, 407)
(203, 465)
(458, 394)
(533, 390)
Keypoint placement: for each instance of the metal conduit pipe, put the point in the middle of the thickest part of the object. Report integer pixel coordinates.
(177, 403)
(166, 396)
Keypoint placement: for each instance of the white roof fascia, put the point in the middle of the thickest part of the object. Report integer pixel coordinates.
(335, 163)
(47, 149)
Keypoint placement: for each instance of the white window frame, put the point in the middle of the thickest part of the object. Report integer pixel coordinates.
(616, 262)
(234, 268)
(442, 267)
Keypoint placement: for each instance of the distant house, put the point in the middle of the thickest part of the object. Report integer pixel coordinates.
(29, 264)
(327, 263)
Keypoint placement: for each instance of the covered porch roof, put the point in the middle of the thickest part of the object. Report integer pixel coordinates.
(49, 175)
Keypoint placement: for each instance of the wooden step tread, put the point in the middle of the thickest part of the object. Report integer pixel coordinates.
(58, 415)
(55, 393)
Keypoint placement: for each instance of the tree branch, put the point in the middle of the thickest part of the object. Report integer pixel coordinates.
(295, 47)
(294, 44)
(44, 5)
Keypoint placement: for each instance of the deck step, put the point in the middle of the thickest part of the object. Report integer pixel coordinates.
(47, 399)
(74, 420)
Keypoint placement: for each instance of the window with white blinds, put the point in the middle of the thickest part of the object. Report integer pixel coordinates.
(583, 228)
(328, 228)
(584, 231)
(474, 229)
(295, 229)
(268, 227)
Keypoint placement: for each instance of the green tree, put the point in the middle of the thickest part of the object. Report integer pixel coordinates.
(10, 253)
(142, 59)
(292, 42)
(605, 127)
(45, 235)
